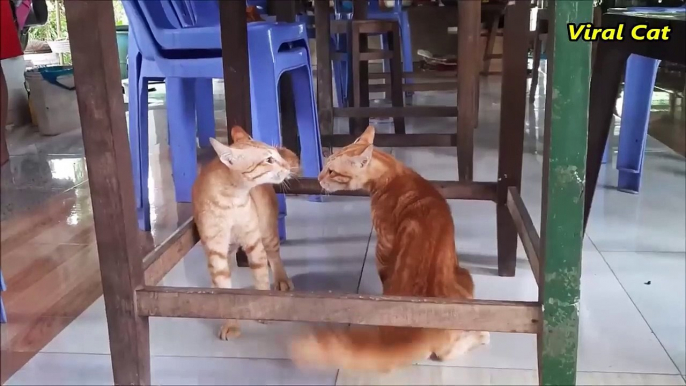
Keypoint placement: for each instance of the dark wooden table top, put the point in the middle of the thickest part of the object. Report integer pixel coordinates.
(671, 50)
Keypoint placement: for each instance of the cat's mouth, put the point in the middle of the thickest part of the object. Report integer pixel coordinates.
(329, 188)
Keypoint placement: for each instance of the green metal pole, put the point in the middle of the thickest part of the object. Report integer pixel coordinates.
(563, 192)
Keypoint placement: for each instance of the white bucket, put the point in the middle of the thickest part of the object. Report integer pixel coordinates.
(53, 99)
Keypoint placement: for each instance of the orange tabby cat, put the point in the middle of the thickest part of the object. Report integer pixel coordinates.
(415, 256)
(234, 205)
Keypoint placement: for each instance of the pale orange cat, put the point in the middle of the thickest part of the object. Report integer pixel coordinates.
(415, 256)
(234, 205)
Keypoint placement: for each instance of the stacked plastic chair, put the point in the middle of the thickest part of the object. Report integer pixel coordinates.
(179, 41)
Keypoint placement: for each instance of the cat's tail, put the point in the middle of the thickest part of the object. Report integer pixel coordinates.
(375, 349)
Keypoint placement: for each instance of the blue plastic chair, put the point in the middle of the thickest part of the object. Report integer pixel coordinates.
(639, 81)
(160, 49)
(3, 315)
(343, 11)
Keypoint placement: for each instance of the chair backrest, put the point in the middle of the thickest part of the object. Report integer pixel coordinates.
(194, 13)
(150, 20)
(140, 30)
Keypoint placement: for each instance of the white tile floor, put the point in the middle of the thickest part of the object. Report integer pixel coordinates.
(632, 306)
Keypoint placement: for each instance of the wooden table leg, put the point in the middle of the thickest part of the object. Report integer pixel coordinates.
(512, 119)
(101, 109)
(469, 66)
(563, 190)
(360, 69)
(285, 11)
(608, 68)
(324, 77)
(234, 34)
(490, 43)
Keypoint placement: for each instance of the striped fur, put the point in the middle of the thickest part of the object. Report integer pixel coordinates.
(415, 256)
(234, 205)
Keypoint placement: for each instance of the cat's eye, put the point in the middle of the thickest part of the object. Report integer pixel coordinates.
(270, 160)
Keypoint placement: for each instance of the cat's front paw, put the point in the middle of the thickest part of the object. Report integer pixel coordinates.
(484, 337)
(283, 284)
(229, 330)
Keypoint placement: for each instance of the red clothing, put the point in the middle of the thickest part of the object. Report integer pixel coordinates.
(9, 37)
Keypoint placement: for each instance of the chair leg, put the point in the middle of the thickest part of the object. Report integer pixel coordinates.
(138, 140)
(638, 92)
(182, 134)
(360, 79)
(396, 78)
(406, 37)
(204, 109)
(306, 114)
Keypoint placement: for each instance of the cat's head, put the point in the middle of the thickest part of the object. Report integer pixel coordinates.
(255, 162)
(348, 169)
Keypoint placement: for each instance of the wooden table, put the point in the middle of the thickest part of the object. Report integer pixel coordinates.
(608, 69)
(129, 280)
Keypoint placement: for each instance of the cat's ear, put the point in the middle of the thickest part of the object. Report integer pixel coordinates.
(226, 154)
(367, 137)
(363, 159)
(238, 134)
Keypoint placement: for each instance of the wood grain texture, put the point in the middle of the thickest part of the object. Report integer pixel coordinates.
(512, 120)
(234, 32)
(101, 109)
(212, 303)
(526, 230)
(324, 73)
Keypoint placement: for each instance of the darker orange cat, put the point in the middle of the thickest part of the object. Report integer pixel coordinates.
(415, 256)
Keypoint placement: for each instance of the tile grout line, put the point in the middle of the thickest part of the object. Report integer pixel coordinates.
(638, 309)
